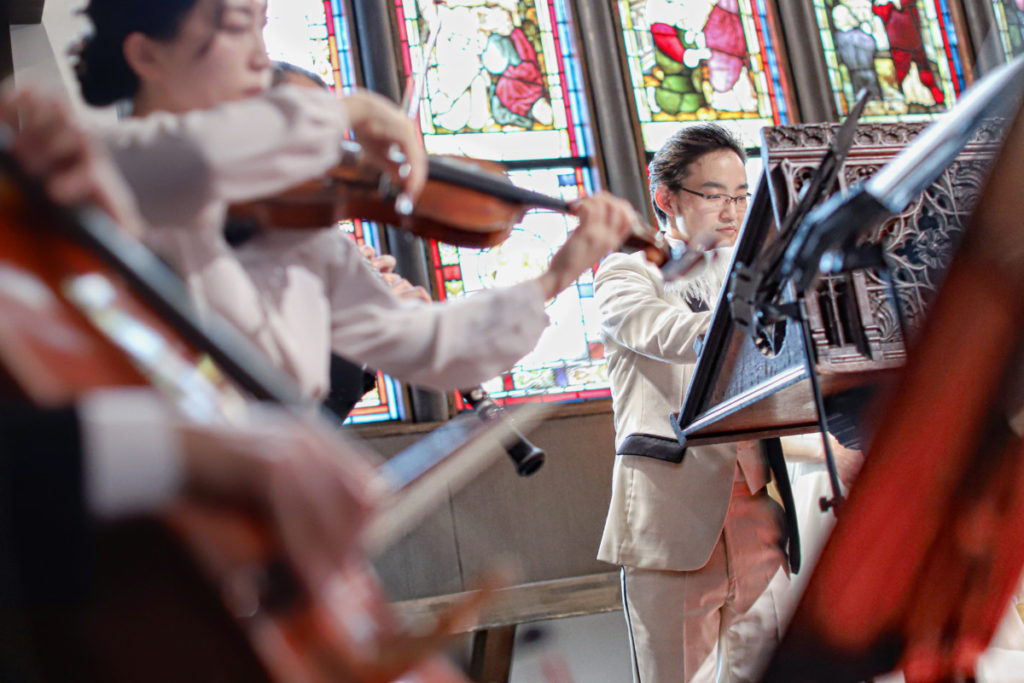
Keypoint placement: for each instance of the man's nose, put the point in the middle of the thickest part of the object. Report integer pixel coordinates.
(730, 210)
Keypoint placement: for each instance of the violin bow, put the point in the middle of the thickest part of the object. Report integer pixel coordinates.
(411, 106)
(414, 91)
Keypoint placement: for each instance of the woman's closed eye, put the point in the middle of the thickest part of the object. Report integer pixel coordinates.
(241, 19)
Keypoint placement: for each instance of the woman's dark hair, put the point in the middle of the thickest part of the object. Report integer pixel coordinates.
(671, 164)
(103, 73)
(282, 70)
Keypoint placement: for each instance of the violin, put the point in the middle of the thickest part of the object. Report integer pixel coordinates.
(466, 202)
(203, 593)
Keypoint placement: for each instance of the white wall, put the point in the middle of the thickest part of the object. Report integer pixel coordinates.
(41, 54)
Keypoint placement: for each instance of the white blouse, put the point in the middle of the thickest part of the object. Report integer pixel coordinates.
(301, 295)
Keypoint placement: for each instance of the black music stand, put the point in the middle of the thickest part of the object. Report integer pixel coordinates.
(764, 249)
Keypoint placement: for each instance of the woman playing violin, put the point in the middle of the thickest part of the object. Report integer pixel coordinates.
(207, 132)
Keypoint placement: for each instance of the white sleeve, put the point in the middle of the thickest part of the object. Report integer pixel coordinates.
(178, 163)
(634, 316)
(132, 457)
(451, 345)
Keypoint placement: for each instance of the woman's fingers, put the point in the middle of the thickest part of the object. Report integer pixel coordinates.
(51, 146)
(389, 139)
(605, 221)
(385, 263)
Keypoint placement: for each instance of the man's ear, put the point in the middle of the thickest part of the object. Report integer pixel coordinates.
(666, 200)
(143, 56)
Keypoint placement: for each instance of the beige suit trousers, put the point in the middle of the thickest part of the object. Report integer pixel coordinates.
(682, 623)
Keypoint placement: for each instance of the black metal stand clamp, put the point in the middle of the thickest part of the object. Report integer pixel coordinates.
(526, 457)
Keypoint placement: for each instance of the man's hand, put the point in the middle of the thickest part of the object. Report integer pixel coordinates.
(848, 462)
(808, 448)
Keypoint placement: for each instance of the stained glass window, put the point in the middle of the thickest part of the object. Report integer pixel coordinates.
(501, 81)
(702, 60)
(314, 35)
(1010, 24)
(568, 362)
(905, 52)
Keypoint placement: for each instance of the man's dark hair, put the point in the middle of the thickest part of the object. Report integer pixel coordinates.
(671, 164)
(282, 70)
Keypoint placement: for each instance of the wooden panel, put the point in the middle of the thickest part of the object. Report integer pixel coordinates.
(769, 411)
(492, 655)
(548, 524)
(426, 562)
(737, 390)
(919, 243)
(592, 594)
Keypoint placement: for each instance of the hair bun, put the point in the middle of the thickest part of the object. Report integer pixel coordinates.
(103, 73)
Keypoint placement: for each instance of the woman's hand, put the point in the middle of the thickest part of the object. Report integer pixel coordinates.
(385, 264)
(605, 222)
(52, 147)
(382, 129)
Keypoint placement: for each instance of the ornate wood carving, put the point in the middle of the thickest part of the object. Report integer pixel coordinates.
(919, 243)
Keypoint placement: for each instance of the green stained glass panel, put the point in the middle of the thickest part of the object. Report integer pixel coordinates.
(1009, 16)
(703, 60)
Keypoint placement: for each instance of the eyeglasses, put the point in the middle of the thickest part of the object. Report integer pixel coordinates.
(719, 201)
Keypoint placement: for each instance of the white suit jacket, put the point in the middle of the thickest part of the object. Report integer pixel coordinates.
(663, 515)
